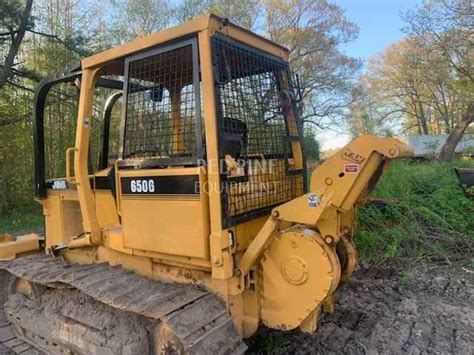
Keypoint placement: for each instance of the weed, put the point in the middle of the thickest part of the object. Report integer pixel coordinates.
(271, 343)
(424, 216)
(405, 277)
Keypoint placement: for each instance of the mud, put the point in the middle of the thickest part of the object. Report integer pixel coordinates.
(100, 317)
(67, 318)
(429, 311)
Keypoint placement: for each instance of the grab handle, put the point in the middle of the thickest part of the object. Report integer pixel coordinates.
(70, 179)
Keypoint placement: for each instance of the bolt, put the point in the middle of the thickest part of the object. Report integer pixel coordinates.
(345, 230)
(275, 214)
(238, 272)
(328, 181)
(329, 239)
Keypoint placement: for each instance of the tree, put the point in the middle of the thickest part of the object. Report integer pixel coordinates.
(410, 89)
(445, 27)
(311, 146)
(361, 118)
(313, 31)
(14, 26)
(57, 38)
(242, 13)
(188, 9)
(136, 18)
(396, 83)
(64, 31)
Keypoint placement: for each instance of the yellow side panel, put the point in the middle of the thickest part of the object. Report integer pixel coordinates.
(62, 216)
(165, 225)
(106, 208)
(52, 220)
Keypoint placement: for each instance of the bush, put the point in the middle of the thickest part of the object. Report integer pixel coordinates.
(423, 215)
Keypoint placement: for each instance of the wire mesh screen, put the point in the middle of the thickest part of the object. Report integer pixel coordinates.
(161, 107)
(254, 133)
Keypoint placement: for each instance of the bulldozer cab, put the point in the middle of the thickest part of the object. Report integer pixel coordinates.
(208, 141)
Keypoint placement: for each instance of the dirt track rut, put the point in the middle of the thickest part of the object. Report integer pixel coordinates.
(379, 311)
(429, 311)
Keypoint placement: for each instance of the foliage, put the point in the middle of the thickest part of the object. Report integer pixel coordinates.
(13, 10)
(135, 18)
(60, 32)
(314, 31)
(269, 343)
(418, 213)
(327, 153)
(423, 83)
(311, 146)
(362, 117)
(54, 40)
(21, 220)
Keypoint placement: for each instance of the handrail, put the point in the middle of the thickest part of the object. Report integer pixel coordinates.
(69, 179)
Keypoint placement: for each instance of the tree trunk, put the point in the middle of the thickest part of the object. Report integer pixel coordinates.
(6, 72)
(447, 152)
(422, 118)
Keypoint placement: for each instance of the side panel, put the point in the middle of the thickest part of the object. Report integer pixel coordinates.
(106, 208)
(62, 216)
(170, 217)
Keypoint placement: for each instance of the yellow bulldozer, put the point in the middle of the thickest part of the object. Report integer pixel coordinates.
(204, 225)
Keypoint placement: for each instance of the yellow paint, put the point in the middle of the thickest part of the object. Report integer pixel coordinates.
(299, 271)
(310, 324)
(84, 190)
(200, 24)
(279, 269)
(11, 247)
(179, 224)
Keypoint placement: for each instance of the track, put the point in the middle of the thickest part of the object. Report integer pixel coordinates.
(185, 318)
(10, 343)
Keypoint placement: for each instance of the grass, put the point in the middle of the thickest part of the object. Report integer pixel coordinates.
(420, 213)
(269, 343)
(21, 219)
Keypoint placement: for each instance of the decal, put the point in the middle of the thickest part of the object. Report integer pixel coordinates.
(350, 155)
(351, 168)
(59, 185)
(313, 200)
(142, 185)
(160, 185)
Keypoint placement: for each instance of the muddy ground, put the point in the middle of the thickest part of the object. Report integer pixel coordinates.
(385, 311)
(426, 310)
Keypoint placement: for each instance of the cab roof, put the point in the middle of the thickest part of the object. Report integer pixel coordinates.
(207, 25)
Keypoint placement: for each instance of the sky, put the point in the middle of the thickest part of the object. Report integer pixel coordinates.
(379, 24)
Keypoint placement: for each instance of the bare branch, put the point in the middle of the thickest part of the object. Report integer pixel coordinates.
(58, 39)
(6, 72)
